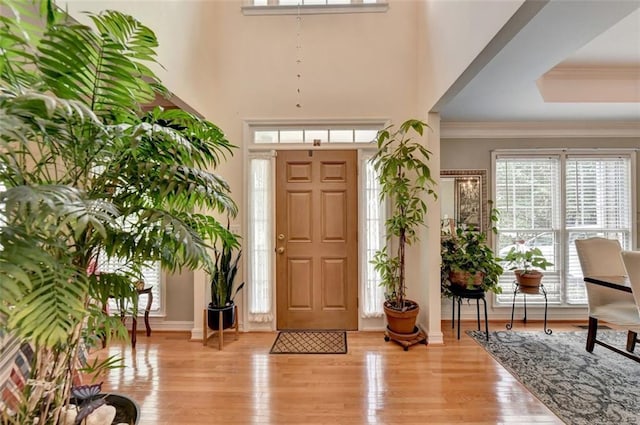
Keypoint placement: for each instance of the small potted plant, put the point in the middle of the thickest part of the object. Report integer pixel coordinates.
(468, 261)
(223, 290)
(526, 264)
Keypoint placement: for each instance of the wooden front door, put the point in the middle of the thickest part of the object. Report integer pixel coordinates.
(316, 240)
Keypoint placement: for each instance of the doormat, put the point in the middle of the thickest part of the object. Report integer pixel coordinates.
(310, 342)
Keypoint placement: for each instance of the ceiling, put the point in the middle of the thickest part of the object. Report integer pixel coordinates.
(558, 60)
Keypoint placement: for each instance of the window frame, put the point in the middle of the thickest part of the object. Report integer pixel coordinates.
(561, 230)
(274, 8)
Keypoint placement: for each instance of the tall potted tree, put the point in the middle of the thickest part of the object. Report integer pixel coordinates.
(401, 163)
(85, 173)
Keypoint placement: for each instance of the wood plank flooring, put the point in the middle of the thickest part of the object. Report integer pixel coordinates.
(180, 382)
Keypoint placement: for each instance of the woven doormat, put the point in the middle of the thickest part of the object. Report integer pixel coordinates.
(310, 342)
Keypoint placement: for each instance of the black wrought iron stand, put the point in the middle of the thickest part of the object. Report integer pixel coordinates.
(519, 290)
(459, 293)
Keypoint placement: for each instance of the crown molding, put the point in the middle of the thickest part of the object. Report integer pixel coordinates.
(589, 84)
(538, 129)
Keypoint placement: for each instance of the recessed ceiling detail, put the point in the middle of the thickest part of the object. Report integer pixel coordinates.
(591, 84)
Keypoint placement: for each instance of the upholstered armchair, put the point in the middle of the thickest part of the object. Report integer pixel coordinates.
(601, 257)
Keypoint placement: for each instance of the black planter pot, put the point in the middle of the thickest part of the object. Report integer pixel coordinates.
(213, 317)
(127, 410)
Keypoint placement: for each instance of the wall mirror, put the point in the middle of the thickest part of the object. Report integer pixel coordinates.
(463, 199)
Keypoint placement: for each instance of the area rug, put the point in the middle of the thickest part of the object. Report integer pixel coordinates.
(310, 342)
(602, 387)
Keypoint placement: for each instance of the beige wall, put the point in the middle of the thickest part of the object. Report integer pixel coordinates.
(232, 67)
(454, 32)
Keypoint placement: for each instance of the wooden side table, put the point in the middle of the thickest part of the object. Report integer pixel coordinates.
(134, 326)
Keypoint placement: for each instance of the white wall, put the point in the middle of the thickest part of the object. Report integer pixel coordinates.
(455, 32)
(392, 65)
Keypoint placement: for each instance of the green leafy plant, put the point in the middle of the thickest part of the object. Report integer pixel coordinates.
(466, 251)
(88, 175)
(223, 276)
(405, 179)
(526, 261)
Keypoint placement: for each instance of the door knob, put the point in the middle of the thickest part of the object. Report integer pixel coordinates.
(281, 250)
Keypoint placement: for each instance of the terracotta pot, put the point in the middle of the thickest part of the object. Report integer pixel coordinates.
(529, 279)
(402, 322)
(464, 278)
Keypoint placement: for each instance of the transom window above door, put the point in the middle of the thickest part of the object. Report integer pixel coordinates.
(263, 7)
(314, 135)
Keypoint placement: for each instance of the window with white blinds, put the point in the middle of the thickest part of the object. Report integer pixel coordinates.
(548, 201)
(527, 194)
(598, 203)
(151, 275)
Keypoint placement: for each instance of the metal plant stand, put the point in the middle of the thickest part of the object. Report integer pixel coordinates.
(519, 290)
(459, 293)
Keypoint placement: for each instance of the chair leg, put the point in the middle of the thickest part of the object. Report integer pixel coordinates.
(591, 334)
(459, 308)
(478, 312)
(486, 321)
(632, 337)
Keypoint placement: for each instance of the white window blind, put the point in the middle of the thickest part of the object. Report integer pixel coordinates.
(550, 201)
(151, 275)
(598, 203)
(260, 208)
(527, 197)
(374, 217)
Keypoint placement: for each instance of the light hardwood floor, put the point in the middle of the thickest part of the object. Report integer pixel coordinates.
(180, 382)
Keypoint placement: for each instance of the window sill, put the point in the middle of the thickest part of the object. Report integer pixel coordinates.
(315, 9)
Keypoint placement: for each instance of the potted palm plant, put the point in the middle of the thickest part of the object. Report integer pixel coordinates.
(86, 174)
(401, 163)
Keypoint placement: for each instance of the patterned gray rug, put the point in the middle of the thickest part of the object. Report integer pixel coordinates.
(310, 342)
(579, 387)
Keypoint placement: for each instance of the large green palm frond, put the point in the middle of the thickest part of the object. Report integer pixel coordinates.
(28, 116)
(199, 136)
(104, 69)
(19, 34)
(44, 288)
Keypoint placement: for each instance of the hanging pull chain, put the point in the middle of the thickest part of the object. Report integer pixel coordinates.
(298, 57)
